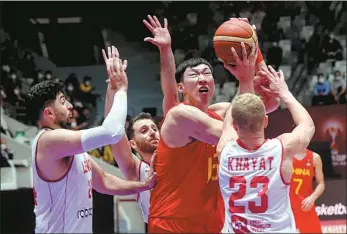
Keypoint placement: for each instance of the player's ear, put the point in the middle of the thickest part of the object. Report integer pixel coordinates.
(133, 144)
(48, 112)
(266, 121)
(180, 87)
(235, 126)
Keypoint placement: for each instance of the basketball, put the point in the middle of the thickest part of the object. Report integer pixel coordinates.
(230, 34)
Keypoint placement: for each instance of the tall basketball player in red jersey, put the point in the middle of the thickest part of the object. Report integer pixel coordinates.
(306, 166)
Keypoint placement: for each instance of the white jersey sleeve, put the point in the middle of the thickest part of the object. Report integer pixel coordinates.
(255, 196)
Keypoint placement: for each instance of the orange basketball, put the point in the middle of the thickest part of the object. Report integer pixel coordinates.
(230, 34)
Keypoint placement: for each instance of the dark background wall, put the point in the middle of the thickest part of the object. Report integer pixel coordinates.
(17, 214)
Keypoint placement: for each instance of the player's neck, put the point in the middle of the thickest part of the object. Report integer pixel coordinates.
(251, 140)
(300, 155)
(146, 157)
(203, 106)
(46, 124)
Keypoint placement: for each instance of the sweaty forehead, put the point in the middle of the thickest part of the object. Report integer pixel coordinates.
(143, 123)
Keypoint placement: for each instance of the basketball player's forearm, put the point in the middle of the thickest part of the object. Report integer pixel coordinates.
(109, 100)
(228, 132)
(301, 117)
(112, 129)
(167, 78)
(117, 186)
(318, 191)
(298, 112)
(245, 87)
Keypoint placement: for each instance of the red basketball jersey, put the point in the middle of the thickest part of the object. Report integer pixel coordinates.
(302, 178)
(187, 197)
(301, 188)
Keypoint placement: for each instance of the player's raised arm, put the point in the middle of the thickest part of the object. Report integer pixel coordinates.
(300, 137)
(121, 151)
(162, 39)
(190, 122)
(244, 72)
(61, 142)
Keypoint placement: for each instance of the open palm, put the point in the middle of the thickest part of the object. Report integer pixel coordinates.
(161, 35)
(117, 78)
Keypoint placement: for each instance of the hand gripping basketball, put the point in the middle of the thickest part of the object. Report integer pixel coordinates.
(244, 69)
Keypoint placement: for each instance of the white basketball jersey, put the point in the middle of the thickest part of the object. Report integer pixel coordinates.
(144, 197)
(65, 205)
(255, 196)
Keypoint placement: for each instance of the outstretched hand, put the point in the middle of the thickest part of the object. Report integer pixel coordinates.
(161, 35)
(117, 78)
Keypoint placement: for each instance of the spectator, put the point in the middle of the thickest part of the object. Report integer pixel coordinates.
(321, 91)
(6, 154)
(87, 91)
(39, 77)
(338, 88)
(10, 83)
(72, 79)
(331, 48)
(274, 55)
(71, 92)
(79, 121)
(48, 75)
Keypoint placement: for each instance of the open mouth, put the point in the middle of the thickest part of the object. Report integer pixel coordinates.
(203, 90)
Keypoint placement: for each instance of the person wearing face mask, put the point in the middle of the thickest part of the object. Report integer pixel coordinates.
(331, 48)
(321, 91)
(338, 88)
(87, 91)
(70, 91)
(86, 86)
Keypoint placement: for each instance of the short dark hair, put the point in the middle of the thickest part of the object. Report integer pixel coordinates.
(40, 95)
(142, 115)
(192, 62)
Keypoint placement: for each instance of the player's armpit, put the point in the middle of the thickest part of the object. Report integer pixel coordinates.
(196, 124)
(220, 108)
(127, 162)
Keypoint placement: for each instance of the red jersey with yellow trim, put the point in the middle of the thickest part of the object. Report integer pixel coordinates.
(187, 197)
(300, 188)
(301, 184)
